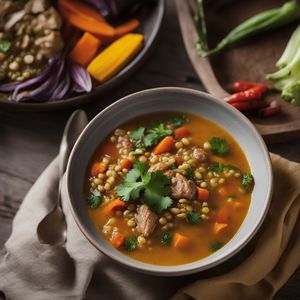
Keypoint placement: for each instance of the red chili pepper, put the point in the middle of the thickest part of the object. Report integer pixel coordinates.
(240, 86)
(271, 110)
(244, 106)
(253, 93)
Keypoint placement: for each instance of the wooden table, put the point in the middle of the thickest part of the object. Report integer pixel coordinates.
(28, 142)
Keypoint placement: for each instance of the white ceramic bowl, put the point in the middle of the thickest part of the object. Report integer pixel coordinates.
(168, 100)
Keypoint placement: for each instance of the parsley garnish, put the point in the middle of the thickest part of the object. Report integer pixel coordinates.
(130, 244)
(152, 187)
(216, 167)
(189, 174)
(166, 238)
(95, 199)
(4, 45)
(219, 146)
(232, 167)
(216, 246)
(177, 121)
(193, 217)
(247, 181)
(137, 134)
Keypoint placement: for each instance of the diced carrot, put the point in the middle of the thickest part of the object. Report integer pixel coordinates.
(181, 241)
(223, 191)
(202, 194)
(117, 239)
(166, 145)
(181, 132)
(98, 168)
(81, 9)
(114, 205)
(126, 164)
(223, 215)
(85, 50)
(237, 205)
(95, 27)
(219, 227)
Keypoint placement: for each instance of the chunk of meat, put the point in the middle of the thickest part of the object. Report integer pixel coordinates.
(182, 187)
(125, 144)
(145, 220)
(158, 166)
(200, 155)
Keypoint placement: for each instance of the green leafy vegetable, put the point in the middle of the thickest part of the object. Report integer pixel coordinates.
(137, 134)
(219, 146)
(232, 167)
(173, 167)
(152, 187)
(216, 246)
(166, 238)
(4, 45)
(216, 167)
(177, 121)
(189, 174)
(247, 181)
(130, 244)
(95, 199)
(194, 217)
(155, 135)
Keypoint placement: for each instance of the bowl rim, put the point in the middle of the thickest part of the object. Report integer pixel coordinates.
(122, 75)
(189, 270)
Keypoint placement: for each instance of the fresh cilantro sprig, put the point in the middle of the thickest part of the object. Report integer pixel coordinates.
(166, 238)
(216, 246)
(130, 243)
(219, 146)
(247, 181)
(219, 167)
(95, 199)
(193, 217)
(153, 187)
(189, 174)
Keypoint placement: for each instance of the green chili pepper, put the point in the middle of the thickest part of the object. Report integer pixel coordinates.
(262, 22)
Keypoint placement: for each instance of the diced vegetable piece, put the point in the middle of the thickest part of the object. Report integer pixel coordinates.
(117, 239)
(181, 241)
(202, 194)
(98, 168)
(166, 145)
(126, 164)
(223, 215)
(81, 9)
(126, 28)
(115, 56)
(219, 227)
(181, 132)
(85, 50)
(219, 146)
(87, 24)
(130, 244)
(223, 191)
(114, 205)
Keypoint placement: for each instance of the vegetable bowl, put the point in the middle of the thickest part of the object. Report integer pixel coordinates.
(48, 67)
(170, 187)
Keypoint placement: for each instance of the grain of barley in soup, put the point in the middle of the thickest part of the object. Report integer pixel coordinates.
(168, 189)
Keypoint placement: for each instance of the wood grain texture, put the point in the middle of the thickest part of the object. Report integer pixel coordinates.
(28, 142)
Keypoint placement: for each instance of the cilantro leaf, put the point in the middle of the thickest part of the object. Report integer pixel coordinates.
(95, 199)
(216, 246)
(216, 167)
(5, 45)
(156, 134)
(219, 146)
(129, 190)
(247, 181)
(232, 167)
(193, 217)
(189, 174)
(177, 121)
(137, 134)
(130, 244)
(166, 238)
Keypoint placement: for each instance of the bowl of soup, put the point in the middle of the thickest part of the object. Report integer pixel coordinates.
(169, 181)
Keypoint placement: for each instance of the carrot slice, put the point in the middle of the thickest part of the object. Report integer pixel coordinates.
(202, 194)
(127, 27)
(166, 145)
(126, 164)
(181, 241)
(219, 227)
(223, 215)
(114, 205)
(98, 168)
(81, 9)
(95, 27)
(117, 239)
(80, 55)
(181, 132)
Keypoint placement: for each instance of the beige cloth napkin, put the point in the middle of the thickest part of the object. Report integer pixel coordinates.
(29, 270)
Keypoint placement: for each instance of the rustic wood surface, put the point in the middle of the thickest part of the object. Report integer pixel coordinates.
(28, 142)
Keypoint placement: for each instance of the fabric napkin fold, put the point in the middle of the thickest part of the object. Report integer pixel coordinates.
(30, 270)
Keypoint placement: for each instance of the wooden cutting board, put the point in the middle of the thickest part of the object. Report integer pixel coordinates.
(250, 60)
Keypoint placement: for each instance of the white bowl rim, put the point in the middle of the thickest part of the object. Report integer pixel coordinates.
(162, 270)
